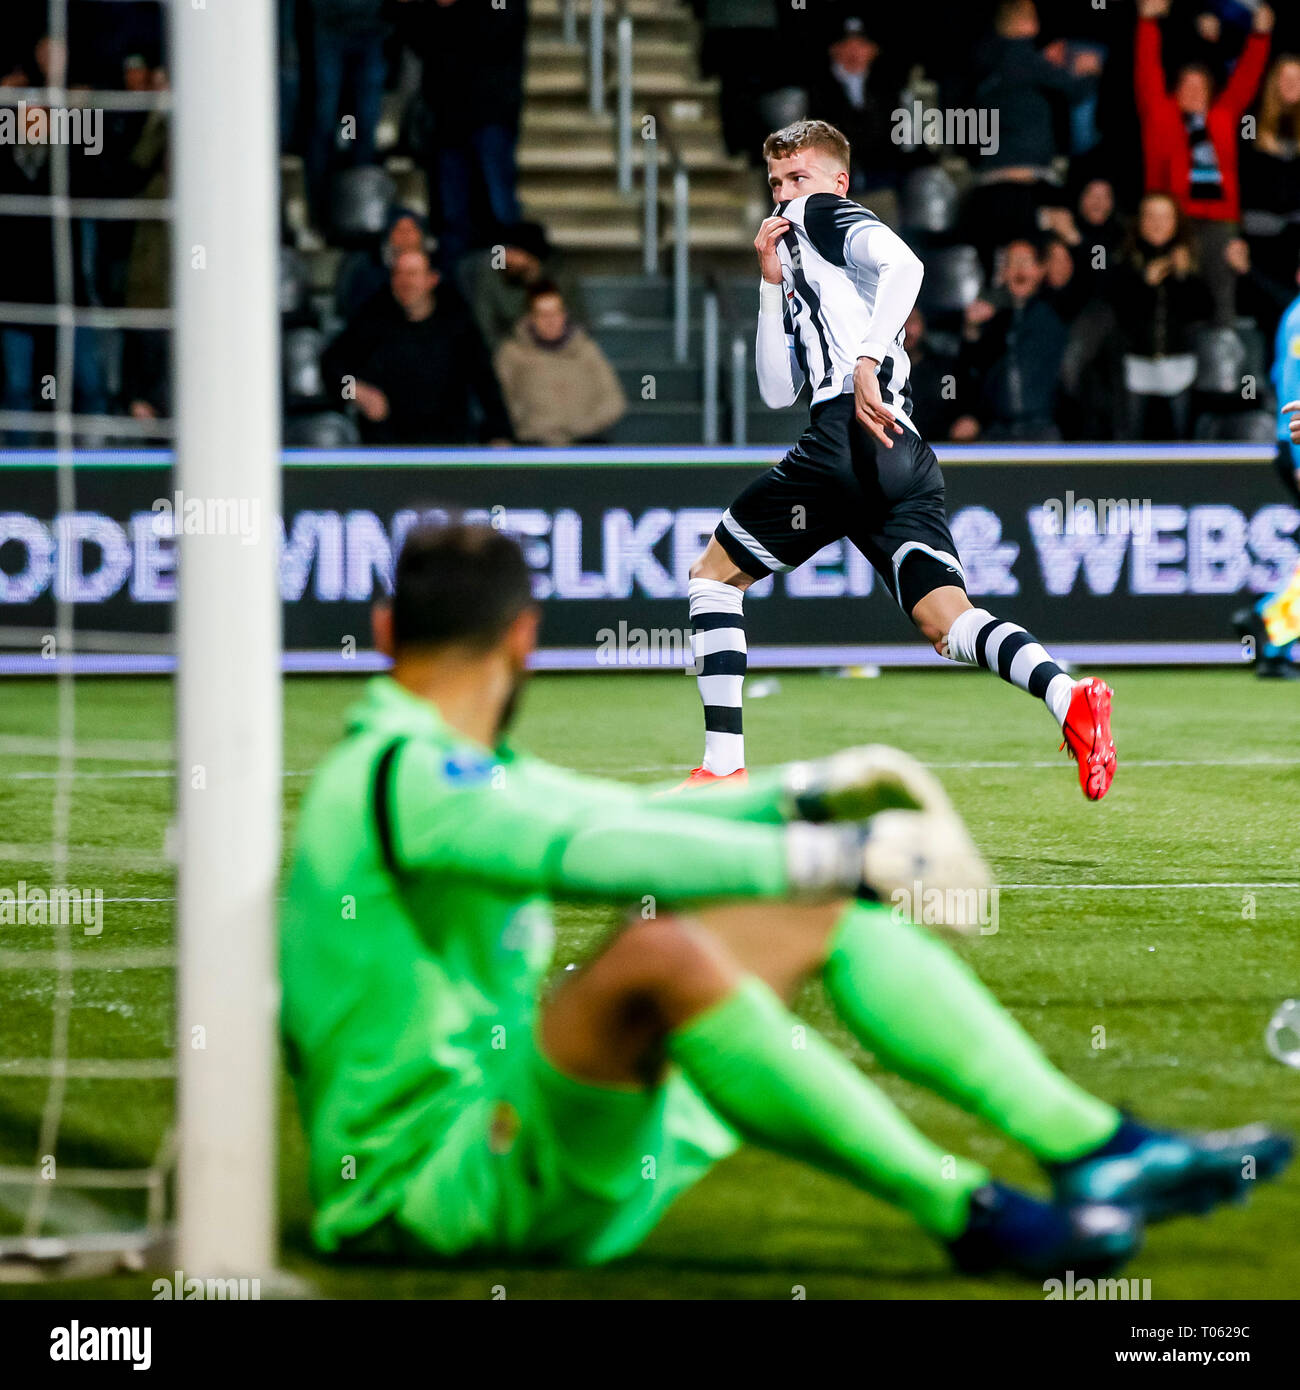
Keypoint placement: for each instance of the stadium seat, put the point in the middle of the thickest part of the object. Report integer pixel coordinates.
(953, 279)
(1220, 361)
(359, 204)
(1236, 426)
(324, 429)
(1258, 352)
(930, 201)
(783, 107)
(294, 284)
(300, 356)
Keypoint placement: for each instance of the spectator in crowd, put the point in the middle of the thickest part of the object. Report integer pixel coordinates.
(1063, 289)
(473, 78)
(1093, 232)
(1094, 238)
(1260, 296)
(28, 271)
(1159, 297)
(498, 279)
(115, 172)
(146, 384)
(414, 362)
(1099, 225)
(1072, 56)
(936, 386)
(1013, 78)
(559, 387)
(367, 271)
(1190, 139)
(856, 94)
(348, 49)
(1270, 190)
(290, 59)
(1014, 343)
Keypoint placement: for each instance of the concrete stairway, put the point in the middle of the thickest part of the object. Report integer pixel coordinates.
(567, 161)
(631, 318)
(568, 181)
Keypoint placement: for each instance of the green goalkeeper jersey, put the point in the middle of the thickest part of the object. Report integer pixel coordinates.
(418, 925)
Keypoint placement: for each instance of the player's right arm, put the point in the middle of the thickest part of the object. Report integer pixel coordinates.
(494, 825)
(853, 784)
(1148, 66)
(775, 359)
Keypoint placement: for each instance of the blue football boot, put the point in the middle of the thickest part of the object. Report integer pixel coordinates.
(1011, 1231)
(1162, 1173)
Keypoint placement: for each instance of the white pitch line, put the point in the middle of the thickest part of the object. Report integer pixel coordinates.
(1028, 887)
(1134, 762)
(1141, 887)
(126, 750)
(147, 774)
(140, 774)
(980, 766)
(139, 861)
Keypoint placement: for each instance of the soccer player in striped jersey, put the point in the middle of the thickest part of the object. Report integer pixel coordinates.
(837, 288)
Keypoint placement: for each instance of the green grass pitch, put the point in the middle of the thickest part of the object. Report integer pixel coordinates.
(1166, 916)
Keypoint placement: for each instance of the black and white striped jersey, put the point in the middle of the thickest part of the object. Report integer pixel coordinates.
(849, 283)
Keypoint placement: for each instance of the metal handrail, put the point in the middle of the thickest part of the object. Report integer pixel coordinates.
(569, 22)
(710, 392)
(623, 134)
(662, 129)
(739, 391)
(681, 259)
(596, 58)
(719, 320)
(650, 192)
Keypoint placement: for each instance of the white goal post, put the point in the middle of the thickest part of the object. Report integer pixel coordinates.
(226, 366)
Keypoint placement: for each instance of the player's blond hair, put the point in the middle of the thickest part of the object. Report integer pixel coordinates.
(808, 135)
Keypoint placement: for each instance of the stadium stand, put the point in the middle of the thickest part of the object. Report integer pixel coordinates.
(618, 129)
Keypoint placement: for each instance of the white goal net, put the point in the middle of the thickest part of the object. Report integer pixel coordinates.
(136, 961)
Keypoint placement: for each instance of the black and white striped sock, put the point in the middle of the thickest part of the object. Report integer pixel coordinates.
(718, 645)
(977, 638)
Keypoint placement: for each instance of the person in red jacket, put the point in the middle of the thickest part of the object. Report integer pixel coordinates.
(1190, 135)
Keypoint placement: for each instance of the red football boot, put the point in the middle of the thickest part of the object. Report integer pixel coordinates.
(701, 777)
(1087, 734)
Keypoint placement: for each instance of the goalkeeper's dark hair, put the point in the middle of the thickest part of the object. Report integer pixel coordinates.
(458, 584)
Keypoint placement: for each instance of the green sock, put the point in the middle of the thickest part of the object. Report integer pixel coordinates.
(927, 1016)
(782, 1086)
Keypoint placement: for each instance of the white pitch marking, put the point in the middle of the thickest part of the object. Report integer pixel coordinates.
(125, 750)
(663, 768)
(1121, 887)
(1035, 887)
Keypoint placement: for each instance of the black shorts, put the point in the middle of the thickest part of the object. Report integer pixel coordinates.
(839, 482)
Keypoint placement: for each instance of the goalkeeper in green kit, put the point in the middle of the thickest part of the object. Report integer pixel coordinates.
(454, 1108)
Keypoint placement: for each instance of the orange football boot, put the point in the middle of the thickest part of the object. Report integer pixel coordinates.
(701, 777)
(1087, 734)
